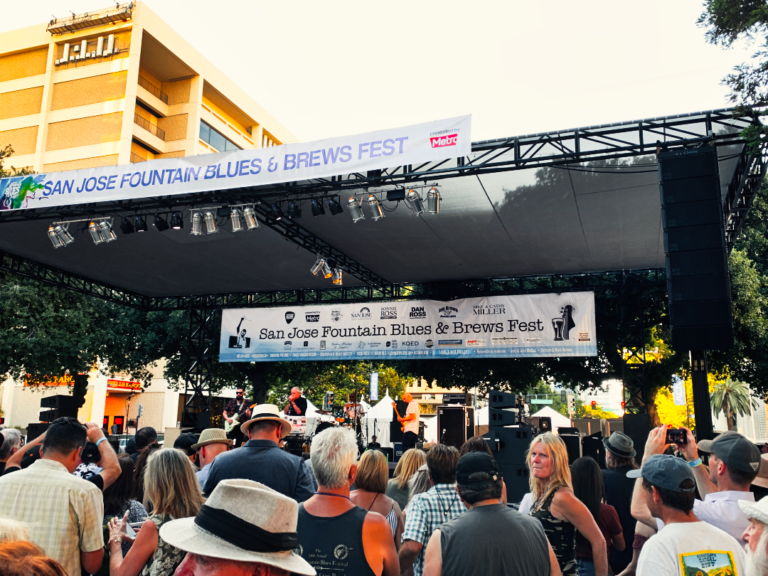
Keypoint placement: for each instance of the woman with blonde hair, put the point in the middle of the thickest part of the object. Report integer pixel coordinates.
(172, 488)
(371, 482)
(397, 489)
(554, 505)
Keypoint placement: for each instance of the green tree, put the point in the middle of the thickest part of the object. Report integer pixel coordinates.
(732, 398)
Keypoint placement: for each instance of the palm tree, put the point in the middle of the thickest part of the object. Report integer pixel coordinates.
(732, 398)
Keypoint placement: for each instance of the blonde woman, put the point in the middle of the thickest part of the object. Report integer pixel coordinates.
(556, 507)
(371, 482)
(172, 488)
(397, 489)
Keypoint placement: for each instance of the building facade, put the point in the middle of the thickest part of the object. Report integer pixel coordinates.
(118, 86)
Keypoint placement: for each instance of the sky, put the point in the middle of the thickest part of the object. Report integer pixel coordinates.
(334, 68)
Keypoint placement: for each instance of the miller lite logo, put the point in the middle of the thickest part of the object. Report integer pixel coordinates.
(442, 141)
(289, 316)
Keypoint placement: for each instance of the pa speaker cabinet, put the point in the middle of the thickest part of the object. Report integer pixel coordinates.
(455, 424)
(500, 399)
(36, 429)
(62, 406)
(516, 480)
(512, 444)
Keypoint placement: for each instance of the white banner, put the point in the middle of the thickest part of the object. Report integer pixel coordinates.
(427, 142)
(534, 325)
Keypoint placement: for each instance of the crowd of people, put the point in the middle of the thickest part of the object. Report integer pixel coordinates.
(70, 505)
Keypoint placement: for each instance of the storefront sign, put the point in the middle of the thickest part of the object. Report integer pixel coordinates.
(65, 380)
(123, 384)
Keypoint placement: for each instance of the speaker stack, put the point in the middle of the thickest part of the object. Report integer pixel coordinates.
(509, 443)
(59, 406)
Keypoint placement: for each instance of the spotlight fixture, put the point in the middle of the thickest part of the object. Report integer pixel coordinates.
(177, 221)
(141, 224)
(58, 243)
(317, 207)
(250, 218)
(334, 206)
(377, 212)
(197, 224)
(95, 232)
(63, 235)
(107, 234)
(210, 222)
(414, 201)
(125, 226)
(236, 218)
(317, 267)
(277, 212)
(294, 210)
(355, 210)
(433, 201)
(160, 223)
(337, 276)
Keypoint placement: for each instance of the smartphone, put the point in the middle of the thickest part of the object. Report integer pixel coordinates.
(130, 531)
(135, 525)
(676, 436)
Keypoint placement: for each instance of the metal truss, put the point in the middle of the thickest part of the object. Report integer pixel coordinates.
(749, 174)
(202, 353)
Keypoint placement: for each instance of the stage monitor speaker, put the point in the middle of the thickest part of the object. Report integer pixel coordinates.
(572, 445)
(455, 424)
(637, 427)
(698, 284)
(395, 430)
(502, 417)
(502, 399)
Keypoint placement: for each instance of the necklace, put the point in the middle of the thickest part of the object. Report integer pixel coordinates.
(329, 494)
(443, 508)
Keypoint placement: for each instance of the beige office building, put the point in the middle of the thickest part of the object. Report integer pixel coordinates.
(118, 86)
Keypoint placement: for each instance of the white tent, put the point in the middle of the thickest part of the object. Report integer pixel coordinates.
(558, 420)
(376, 422)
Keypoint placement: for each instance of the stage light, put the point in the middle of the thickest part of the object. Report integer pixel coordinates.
(317, 207)
(141, 224)
(337, 276)
(107, 234)
(317, 267)
(334, 206)
(236, 217)
(57, 243)
(414, 201)
(376, 210)
(177, 221)
(294, 210)
(355, 210)
(95, 232)
(277, 212)
(250, 218)
(160, 223)
(125, 226)
(197, 224)
(433, 201)
(210, 222)
(64, 235)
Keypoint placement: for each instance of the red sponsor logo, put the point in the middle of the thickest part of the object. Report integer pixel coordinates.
(447, 140)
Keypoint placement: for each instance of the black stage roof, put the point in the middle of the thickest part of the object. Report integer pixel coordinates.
(567, 202)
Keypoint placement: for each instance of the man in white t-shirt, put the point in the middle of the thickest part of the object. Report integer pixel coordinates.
(411, 422)
(686, 546)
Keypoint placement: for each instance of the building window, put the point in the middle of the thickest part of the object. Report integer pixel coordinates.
(210, 135)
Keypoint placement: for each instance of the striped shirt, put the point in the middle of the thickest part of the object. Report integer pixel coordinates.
(426, 512)
(63, 512)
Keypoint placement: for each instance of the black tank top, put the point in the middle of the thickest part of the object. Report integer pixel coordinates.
(334, 545)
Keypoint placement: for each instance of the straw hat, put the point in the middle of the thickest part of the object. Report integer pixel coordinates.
(266, 412)
(242, 521)
(212, 436)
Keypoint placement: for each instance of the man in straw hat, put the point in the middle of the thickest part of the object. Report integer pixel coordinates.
(212, 442)
(243, 529)
(756, 536)
(261, 460)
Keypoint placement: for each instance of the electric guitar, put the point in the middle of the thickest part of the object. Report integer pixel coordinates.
(402, 424)
(235, 421)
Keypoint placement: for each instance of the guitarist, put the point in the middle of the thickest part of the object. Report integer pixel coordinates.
(240, 408)
(411, 423)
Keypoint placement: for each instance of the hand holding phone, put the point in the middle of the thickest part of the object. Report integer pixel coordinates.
(677, 436)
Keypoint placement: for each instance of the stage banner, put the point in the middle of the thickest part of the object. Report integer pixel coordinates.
(533, 325)
(438, 140)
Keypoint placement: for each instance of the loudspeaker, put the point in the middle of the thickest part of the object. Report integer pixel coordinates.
(698, 285)
(395, 432)
(398, 451)
(593, 447)
(62, 407)
(36, 429)
(572, 445)
(502, 399)
(203, 421)
(455, 424)
(637, 427)
(501, 417)
(510, 444)
(455, 399)
(516, 480)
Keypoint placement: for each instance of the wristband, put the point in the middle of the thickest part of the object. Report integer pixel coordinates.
(694, 463)
(100, 440)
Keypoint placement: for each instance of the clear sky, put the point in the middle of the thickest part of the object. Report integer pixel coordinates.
(343, 67)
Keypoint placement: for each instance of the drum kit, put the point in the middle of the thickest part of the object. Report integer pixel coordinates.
(299, 441)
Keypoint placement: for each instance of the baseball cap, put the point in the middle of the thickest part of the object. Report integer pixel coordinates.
(477, 467)
(90, 453)
(185, 442)
(665, 471)
(756, 510)
(735, 450)
(30, 455)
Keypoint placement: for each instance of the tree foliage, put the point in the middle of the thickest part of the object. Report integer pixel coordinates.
(732, 398)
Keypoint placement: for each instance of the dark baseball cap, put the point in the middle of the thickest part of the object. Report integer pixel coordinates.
(30, 455)
(185, 442)
(665, 471)
(90, 453)
(735, 450)
(477, 467)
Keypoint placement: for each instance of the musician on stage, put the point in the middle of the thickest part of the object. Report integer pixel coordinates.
(353, 408)
(240, 408)
(297, 404)
(411, 422)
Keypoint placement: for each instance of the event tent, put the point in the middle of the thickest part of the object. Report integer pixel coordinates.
(558, 420)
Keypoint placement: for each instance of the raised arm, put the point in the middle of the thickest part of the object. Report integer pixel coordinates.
(700, 472)
(566, 506)
(110, 467)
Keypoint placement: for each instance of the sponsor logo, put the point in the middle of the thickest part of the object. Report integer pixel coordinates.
(503, 341)
(563, 324)
(306, 343)
(429, 343)
(361, 345)
(475, 343)
(488, 310)
(289, 316)
(392, 344)
(532, 340)
(449, 342)
(389, 313)
(410, 343)
(444, 140)
(312, 316)
(335, 315)
(584, 337)
(322, 344)
(418, 312)
(288, 344)
(364, 314)
(448, 312)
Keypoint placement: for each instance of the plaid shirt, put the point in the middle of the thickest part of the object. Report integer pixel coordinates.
(426, 512)
(64, 512)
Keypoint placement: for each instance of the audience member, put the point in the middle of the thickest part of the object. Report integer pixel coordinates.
(397, 488)
(263, 543)
(428, 510)
(139, 491)
(556, 507)
(620, 458)
(419, 483)
(130, 448)
(642, 533)
(117, 498)
(330, 526)
(185, 443)
(477, 542)
(261, 459)
(13, 530)
(144, 437)
(686, 545)
(173, 489)
(756, 537)
(733, 464)
(477, 444)
(370, 484)
(212, 442)
(11, 442)
(588, 487)
(90, 462)
(63, 512)
(26, 559)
